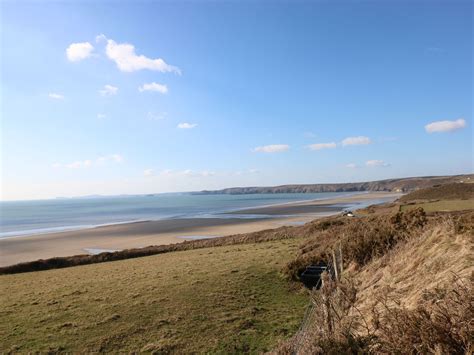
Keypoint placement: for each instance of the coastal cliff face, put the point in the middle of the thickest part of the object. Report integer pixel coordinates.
(393, 185)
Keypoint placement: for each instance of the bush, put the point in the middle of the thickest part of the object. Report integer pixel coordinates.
(361, 239)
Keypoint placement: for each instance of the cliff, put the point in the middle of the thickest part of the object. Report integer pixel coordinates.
(395, 185)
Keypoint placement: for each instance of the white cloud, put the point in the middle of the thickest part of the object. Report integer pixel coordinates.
(163, 89)
(79, 51)
(445, 126)
(148, 172)
(186, 125)
(79, 164)
(359, 140)
(319, 146)
(123, 54)
(376, 163)
(351, 166)
(56, 96)
(101, 116)
(108, 90)
(272, 148)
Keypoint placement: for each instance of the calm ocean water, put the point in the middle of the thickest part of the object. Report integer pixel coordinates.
(31, 217)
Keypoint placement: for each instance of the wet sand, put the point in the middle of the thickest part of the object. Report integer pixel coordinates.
(141, 234)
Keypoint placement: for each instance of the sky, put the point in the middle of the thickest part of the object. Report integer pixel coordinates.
(131, 97)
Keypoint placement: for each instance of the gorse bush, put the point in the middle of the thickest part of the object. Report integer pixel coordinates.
(361, 239)
(374, 236)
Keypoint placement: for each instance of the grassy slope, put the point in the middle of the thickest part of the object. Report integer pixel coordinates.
(223, 299)
(449, 197)
(423, 263)
(456, 191)
(435, 206)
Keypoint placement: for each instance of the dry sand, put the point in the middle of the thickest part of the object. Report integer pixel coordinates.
(136, 235)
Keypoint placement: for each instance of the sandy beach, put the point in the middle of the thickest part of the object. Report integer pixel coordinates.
(141, 234)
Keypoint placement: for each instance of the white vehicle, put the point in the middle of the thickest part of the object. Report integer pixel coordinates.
(347, 213)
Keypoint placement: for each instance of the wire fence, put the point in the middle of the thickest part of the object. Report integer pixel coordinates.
(310, 321)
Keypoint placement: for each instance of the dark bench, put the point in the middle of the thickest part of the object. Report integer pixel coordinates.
(312, 275)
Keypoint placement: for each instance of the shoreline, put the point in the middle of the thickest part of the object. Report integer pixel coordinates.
(223, 215)
(141, 234)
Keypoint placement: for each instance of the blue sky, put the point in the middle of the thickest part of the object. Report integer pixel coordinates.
(179, 96)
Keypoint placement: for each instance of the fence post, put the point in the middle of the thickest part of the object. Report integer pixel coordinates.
(326, 306)
(334, 262)
(341, 261)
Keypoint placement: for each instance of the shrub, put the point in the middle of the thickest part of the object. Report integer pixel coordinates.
(361, 239)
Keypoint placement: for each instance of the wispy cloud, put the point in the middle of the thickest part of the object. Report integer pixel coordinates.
(376, 163)
(123, 54)
(79, 51)
(117, 158)
(206, 173)
(320, 146)
(163, 89)
(156, 116)
(100, 38)
(359, 140)
(74, 165)
(148, 172)
(388, 139)
(309, 134)
(101, 116)
(272, 148)
(435, 49)
(351, 166)
(56, 96)
(186, 125)
(186, 173)
(108, 90)
(445, 126)
(80, 164)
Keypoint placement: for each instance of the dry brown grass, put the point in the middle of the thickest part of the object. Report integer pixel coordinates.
(412, 295)
(420, 264)
(442, 323)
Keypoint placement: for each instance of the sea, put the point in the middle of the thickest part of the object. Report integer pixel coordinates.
(19, 218)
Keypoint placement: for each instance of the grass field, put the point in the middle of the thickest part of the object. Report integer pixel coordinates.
(221, 300)
(448, 205)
